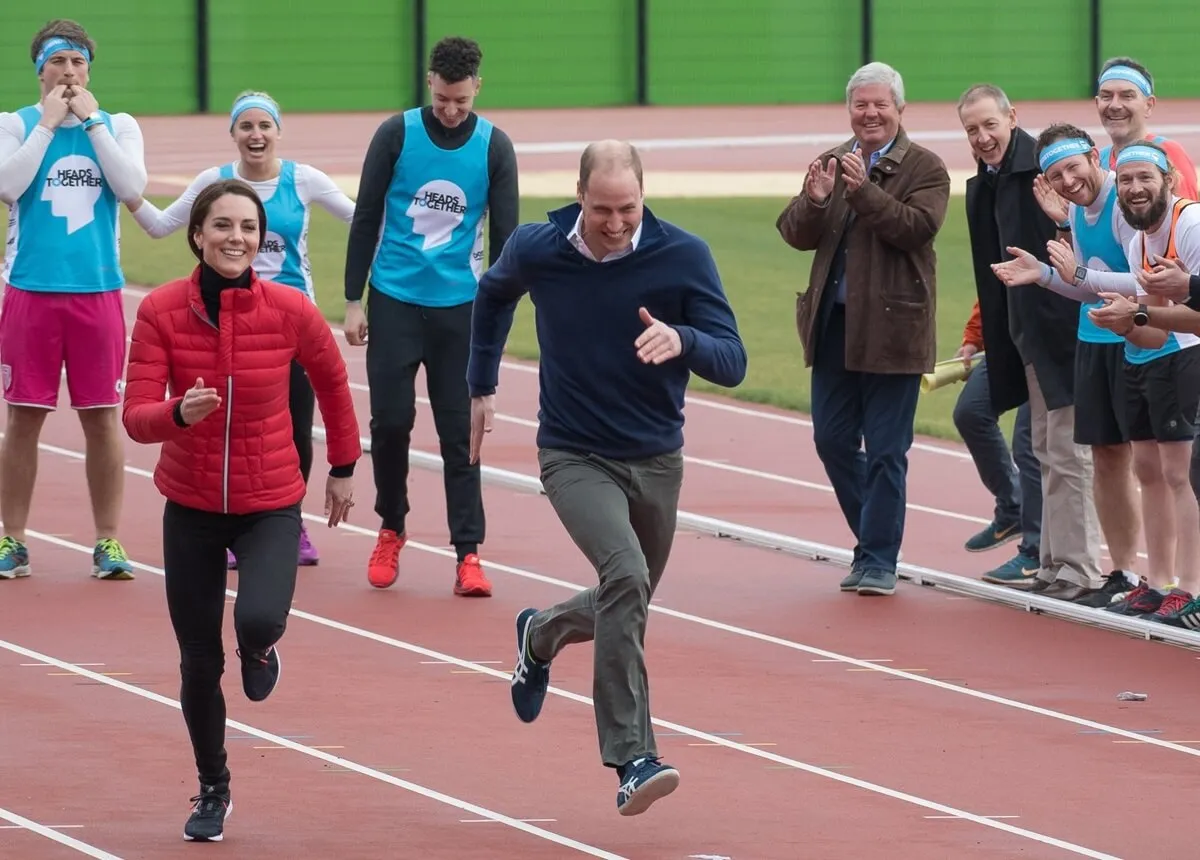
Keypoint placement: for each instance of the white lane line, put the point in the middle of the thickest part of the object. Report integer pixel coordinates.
(691, 400)
(767, 638)
(745, 471)
(50, 826)
(415, 788)
(429, 653)
(53, 835)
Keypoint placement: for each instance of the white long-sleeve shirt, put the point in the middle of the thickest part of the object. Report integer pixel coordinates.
(121, 154)
(311, 185)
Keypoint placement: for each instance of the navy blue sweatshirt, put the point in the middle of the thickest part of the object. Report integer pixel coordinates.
(596, 395)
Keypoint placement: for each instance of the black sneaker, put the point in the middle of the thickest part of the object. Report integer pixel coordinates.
(260, 673)
(207, 822)
(642, 782)
(530, 679)
(1116, 585)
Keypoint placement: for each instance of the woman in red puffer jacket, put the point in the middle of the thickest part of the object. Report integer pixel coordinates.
(208, 378)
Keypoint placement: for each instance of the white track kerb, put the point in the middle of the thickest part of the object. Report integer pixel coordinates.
(915, 574)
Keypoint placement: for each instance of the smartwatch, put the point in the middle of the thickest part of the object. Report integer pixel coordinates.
(93, 119)
(1080, 275)
(1141, 316)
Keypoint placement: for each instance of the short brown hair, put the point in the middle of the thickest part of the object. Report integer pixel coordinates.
(70, 30)
(607, 155)
(210, 195)
(1060, 131)
(1172, 173)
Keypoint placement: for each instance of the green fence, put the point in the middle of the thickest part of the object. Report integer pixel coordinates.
(186, 56)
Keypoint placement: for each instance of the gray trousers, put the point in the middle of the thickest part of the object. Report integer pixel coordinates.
(621, 514)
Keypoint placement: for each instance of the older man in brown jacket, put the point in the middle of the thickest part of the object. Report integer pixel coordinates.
(871, 209)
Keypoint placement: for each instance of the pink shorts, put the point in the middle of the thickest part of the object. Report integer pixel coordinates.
(40, 332)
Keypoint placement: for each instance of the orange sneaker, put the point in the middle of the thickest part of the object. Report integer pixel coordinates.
(384, 566)
(470, 581)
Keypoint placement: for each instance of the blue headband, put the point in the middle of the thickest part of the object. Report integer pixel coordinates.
(1124, 73)
(1140, 152)
(54, 45)
(245, 104)
(1061, 149)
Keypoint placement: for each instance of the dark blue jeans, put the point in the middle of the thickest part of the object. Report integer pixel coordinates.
(848, 409)
(1017, 487)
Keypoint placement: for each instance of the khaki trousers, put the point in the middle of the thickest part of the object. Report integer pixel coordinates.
(622, 515)
(1070, 524)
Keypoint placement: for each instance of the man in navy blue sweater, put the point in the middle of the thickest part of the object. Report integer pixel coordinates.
(628, 307)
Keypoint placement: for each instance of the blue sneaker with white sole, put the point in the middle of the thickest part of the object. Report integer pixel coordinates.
(531, 678)
(109, 560)
(644, 781)
(14, 558)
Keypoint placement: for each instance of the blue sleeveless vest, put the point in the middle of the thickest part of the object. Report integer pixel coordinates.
(281, 258)
(64, 230)
(1100, 249)
(431, 249)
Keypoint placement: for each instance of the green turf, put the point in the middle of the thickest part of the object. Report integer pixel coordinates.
(761, 275)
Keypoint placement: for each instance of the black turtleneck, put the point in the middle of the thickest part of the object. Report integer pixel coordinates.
(212, 284)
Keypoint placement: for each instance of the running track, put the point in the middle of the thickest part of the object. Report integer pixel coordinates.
(837, 726)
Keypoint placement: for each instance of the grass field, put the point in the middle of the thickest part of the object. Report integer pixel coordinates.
(761, 275)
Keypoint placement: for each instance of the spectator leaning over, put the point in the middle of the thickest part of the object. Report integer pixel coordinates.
(430, 176)
(1163, 372)
(870, 209)
(1016, 486)
(1076, 192)
(1125, 100)
(209, 379)
(1037, 362)
(64, 165)
(288, 190)
(628, 308)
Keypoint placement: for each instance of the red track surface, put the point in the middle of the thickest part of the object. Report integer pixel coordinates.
(777, 687)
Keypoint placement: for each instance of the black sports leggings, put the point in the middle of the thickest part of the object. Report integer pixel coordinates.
(302, 404)
(194, 545)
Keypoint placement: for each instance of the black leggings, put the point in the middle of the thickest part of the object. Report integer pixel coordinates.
(194, 545)
(302, 404)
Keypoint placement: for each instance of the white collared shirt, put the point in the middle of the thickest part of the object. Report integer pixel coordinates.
(576, 238)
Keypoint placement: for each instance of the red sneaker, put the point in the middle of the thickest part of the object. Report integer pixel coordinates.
(470, 581)
(384, 566)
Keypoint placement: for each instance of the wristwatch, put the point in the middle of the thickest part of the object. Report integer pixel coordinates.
(1080, 275)
(1141, 316)
(93, 118)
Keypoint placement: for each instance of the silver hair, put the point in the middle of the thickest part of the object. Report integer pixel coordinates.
(877, 73)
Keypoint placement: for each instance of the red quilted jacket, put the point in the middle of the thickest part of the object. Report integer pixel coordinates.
(240, 458)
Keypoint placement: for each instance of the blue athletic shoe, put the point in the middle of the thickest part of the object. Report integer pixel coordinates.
(530, 679)
(14, 558)
(109, 560)
(644, 781)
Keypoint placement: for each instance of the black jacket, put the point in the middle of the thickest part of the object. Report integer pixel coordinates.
(1021, 325)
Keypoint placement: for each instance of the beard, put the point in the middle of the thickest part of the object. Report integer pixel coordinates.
(1146, 220)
